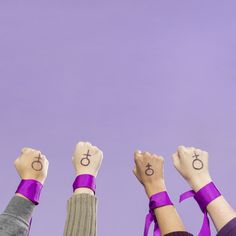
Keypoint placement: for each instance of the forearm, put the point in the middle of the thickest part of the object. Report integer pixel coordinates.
(81, 215)
(220, 212)
(219, 209)
(167, 216)
(168, 220)
(16, 218)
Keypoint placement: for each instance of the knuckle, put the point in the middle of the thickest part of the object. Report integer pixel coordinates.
(80, 143)
(136, 153)
(147, 154)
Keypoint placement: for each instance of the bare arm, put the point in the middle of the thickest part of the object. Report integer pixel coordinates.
(219, 209)
(149, 171)
(192, 164)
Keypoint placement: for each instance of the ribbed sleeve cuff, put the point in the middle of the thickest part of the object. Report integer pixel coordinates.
(20, 208)
(81, 215)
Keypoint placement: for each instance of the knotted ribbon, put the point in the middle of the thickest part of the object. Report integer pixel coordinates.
(203, 197)
(157, 200)
(85, 181)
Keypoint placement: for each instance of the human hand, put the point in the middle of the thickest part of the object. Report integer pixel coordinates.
(32, 164)
(149, 170)
(192, 164)
(87, 159)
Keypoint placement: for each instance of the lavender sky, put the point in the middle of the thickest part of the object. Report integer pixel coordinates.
(125, 75)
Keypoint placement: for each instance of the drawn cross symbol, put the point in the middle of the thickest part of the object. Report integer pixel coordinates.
(149, 171)
(37, 165)
(85, 161)
(197, 163)
(196, 156)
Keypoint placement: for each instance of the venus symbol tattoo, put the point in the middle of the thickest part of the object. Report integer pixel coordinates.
(149, 171)
(37, 165)
(85, 161)
(197, 163)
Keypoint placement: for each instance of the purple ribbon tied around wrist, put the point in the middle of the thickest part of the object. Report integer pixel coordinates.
(85, 181)
(203, 197)
(31, 189)
(157, 200)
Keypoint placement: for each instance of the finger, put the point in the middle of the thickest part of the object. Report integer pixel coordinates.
(16, 161)
(35, 152)
(147, 154)
(137, 155)
(88, 144)
(47, 164)
(79, 145)
(43, 157)
(135, 171)
(95, 150)
(176, 159)
(204, 153)
(137, 152)
(159, 158)
(24, 150)
(198, 151)
(136, 174)
(181, 150)
(190, 150)
(100, 153)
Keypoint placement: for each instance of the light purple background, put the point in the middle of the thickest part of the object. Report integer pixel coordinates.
(125, 75)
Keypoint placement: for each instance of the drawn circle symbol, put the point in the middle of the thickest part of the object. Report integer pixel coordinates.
(149, 172)
(197, 164)
(85, 162)
(37, 165)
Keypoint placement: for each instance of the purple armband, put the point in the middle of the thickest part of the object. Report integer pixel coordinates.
(157, 200)
(203, 197)
(31, 189)
(85, 181)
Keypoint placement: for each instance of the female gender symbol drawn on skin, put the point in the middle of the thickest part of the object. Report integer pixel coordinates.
(85, 161)
(197, 163)
(149, 171)
(37, 165)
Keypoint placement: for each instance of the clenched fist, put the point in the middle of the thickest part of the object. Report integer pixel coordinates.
(32, 164)
(87, 159)
(192, 164)
(149, 170)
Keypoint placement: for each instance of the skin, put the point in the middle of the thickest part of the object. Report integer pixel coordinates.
(96, 158)
(23, 165)
(154, 184)
(219, 209)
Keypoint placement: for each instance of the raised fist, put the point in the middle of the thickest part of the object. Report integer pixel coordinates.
(149, 170)
(87, 159)
(192, 164)
(32, 164)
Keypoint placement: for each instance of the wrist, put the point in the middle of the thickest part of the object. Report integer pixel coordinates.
(153, 188)
(199, 183)
(22, 196)
(84, 183)
(85, 173)
(30, 189)
(40, 180)
(84, 191)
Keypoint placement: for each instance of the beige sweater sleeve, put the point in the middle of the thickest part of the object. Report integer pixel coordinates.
(81, 215)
